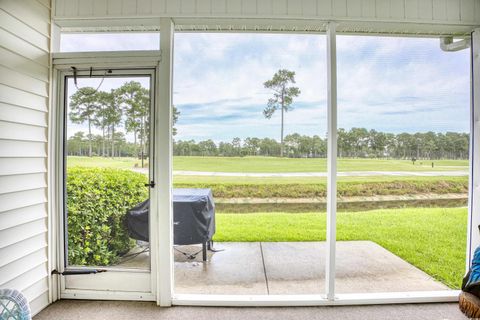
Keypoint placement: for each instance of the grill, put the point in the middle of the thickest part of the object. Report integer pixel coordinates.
(193, 218)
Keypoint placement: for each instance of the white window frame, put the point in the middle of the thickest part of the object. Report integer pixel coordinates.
(329, 298)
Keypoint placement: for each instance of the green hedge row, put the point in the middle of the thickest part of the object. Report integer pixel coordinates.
(97, 200)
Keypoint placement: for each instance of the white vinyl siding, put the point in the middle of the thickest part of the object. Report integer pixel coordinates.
(24, 85)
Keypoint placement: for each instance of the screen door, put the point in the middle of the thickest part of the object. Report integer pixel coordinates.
(108, 169)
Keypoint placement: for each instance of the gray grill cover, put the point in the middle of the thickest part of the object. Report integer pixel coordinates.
(193, 215)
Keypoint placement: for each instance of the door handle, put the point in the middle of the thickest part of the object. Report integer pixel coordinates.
(151, 184)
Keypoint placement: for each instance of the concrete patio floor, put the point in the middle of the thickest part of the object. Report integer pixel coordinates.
(296, 268)
(275, 268)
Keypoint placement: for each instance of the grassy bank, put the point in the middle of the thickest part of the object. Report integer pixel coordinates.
(432, 239)
(442, 185)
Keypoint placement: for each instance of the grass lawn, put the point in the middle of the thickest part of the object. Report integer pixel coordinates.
(273, 164)
(432, 239)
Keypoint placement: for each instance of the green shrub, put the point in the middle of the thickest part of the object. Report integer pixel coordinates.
(97, 200)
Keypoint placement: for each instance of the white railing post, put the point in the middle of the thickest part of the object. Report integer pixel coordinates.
(331, 161)
(163, 166)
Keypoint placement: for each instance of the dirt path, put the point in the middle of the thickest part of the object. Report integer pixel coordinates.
(324, 174)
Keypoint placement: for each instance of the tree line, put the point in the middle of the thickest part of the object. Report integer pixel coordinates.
(119, 111)
(79, 145)
(127, 106)
(127, 110)
(353, 143)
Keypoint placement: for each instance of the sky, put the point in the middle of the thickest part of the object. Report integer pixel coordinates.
(389, 84)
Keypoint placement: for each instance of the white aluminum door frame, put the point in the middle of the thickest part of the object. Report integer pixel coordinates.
(124, 64)
(330, 259)
(473, 232)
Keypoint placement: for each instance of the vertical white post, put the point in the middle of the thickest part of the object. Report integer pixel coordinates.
(331, 161)
(53, 178)
(473, 238)
(163, 169)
